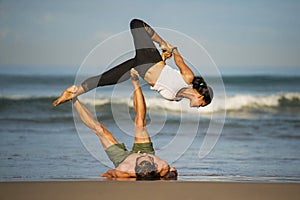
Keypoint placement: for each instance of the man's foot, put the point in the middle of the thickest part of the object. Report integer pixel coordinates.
(166, 55)
(167, 50)
(134, 74)
(67, 95)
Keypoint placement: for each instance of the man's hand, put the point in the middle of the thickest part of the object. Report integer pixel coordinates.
(171, 174)
(113, 173)
(173, 170)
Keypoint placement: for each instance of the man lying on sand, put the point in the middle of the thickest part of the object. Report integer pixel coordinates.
(140, 163)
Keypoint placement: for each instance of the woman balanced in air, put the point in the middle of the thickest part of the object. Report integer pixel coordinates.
(170, 83)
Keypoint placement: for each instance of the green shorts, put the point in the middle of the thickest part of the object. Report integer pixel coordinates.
(117, 153)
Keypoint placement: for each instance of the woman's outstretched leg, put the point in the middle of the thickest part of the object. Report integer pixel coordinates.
(146, 56)
(113, 76)
(68, 94)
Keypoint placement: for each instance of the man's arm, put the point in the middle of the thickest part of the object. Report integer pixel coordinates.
(163, 167)
(113, 173)
(164, 170)
(167, 173)
(171, 174)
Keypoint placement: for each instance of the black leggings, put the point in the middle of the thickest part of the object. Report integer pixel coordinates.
(146, 55)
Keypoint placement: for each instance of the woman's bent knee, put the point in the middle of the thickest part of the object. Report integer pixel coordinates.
(136, 23)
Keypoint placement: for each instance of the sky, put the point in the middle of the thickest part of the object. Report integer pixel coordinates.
(241, 35)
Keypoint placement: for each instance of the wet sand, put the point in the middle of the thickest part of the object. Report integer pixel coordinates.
(147, 190)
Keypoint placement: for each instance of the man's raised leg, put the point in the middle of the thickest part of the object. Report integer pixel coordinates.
(106, 138)
(140, 132)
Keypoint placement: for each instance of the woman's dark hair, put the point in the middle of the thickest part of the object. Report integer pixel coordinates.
(200, 85)
(146, 170)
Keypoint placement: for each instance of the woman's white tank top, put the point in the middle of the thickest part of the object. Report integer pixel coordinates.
(169, 83)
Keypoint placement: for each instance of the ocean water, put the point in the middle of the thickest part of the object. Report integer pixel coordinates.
(259, 141)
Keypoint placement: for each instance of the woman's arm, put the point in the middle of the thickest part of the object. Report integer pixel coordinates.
(185, 71)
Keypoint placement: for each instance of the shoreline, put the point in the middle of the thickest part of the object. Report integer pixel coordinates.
(148, 190)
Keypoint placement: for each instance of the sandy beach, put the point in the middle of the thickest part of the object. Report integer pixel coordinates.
(148, 190)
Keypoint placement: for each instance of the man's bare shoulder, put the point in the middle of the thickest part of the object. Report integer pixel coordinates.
(134, 156)
(130, 162)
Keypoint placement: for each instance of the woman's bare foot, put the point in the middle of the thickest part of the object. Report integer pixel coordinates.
(171, 47)
(165, 46)
(167, 50)
(67, 95)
